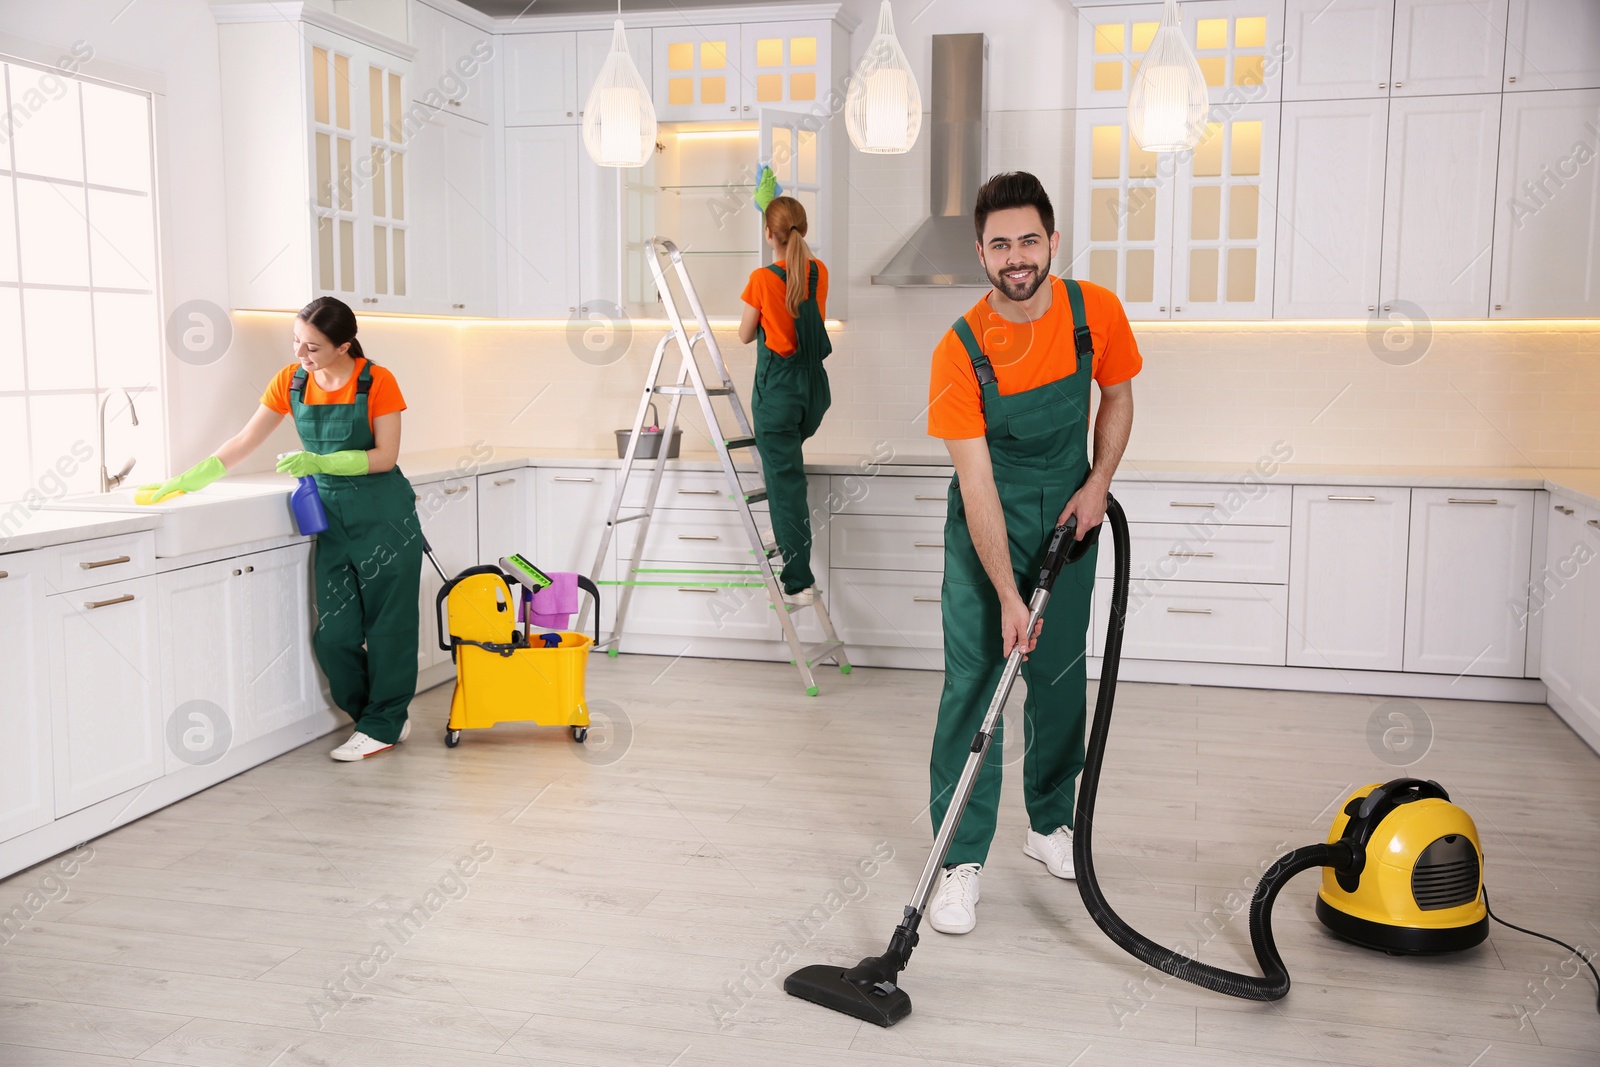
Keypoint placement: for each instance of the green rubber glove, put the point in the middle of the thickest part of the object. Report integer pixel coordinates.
(192, 480)
(344, 464)
(767, 188)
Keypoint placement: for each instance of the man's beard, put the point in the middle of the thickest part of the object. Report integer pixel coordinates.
(1025, 291)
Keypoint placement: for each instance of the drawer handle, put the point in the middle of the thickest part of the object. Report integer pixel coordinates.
(699, 492)
(562, 478)
(1190, 504)
(921, 497)
(1191, 555)
(4, 575)
(1361, 499)
(457, 489)
(699, 537)
(1473, 500)
(505, 481)
(89, 565)
(926, 600)
(695, 589)
(1564, 511)
(1188, 611)
(123, 599)
(1595, 523)
(928, 544)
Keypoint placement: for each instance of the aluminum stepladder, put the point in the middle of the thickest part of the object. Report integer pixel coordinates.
(691, 382)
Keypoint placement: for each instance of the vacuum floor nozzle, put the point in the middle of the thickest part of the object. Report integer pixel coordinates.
(827, 985)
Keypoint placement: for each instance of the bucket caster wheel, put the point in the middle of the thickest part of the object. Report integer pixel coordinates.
(580, 734)
(452, 738)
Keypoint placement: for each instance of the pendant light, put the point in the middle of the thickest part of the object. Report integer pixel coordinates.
(883, 108)
(1168, 105)
(619, 121)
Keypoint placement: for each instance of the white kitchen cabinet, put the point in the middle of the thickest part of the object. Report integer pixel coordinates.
(1546, 258)
(316, 148)
(1347, 577)
(888, 609)
(1553, 44)
(1439, 204)
(27, 797)
(448, 510)
(1337, 51)
(1122, 214)
(1163, 551)
(107, 724)
(1206, 622)
(1448, 46)
(541, 79)
(1238, 44)
(455, 65)
(505, 525)
(279, 669)
(540, 251)
(1466, 575)
(1564, 601)
(1329, 216)
(697, 73)
(468, 200)
(571, 506)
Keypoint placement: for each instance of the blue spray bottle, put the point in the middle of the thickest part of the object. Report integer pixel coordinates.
(306, 503)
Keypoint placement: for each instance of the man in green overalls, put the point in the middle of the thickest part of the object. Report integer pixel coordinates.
(1009, 394)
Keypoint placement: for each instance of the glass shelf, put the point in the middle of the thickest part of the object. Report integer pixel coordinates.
(717, 252)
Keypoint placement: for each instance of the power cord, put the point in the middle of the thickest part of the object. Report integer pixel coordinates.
(1547, 937)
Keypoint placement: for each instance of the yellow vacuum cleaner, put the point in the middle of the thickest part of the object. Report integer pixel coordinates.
(1420, 890)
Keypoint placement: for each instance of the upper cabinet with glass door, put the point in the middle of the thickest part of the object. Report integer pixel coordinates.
(1239, 44)
(730, 71)
(316, 140)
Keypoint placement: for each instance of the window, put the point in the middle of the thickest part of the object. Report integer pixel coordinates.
(79, 297)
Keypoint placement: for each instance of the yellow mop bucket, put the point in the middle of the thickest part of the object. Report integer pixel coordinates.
(500, 676)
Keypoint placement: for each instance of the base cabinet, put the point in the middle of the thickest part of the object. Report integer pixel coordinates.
(448, 511)
(27, 798)
(1347, 577)
(1564, 602)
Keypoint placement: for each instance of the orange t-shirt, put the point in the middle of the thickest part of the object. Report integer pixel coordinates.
(768, 294)
(382, 399)
(1026, 355)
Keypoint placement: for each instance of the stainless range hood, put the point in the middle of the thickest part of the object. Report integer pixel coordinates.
(943, 251)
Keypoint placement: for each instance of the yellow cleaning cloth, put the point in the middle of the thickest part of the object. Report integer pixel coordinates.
(147, 495)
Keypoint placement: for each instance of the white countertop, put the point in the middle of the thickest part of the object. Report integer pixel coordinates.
(40, 529)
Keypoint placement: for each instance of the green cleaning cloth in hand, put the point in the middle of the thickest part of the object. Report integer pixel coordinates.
(195, 478)
(345, 464)
(767, 188)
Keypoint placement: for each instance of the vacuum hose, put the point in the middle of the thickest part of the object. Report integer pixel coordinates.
(1340, 855)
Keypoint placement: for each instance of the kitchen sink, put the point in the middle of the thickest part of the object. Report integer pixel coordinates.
(221, 515)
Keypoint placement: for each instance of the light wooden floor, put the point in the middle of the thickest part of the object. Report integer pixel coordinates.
(623, 901)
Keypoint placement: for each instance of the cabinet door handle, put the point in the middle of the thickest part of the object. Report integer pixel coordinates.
(90, 565)
(928, 544)
(926, 600)
(249, 570)
(1191, 504)
(563, 478)
(1191, 555)
(921, 497)
(457, 489)
(699, 537)
(1473, 500)
(1564, 511)
(92, 604)
(695, 589)
(1595, 523)
(699, 492)
(505, 481)
(1361, 499)
(237, 572)
(4, 575)
(1189, 611)
(459, 307)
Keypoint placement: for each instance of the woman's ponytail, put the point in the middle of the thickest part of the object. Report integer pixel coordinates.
(786, 218)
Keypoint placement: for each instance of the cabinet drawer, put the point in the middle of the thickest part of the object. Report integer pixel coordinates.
(1232, 503)
(696, 536)
(887, 542)
(684, 607)
(1211, 622)
(1177, 552)
(864, 494)
(897, 609)
(701, 490)
(105, 559)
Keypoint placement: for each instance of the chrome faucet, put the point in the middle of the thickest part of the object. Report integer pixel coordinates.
(109, 481)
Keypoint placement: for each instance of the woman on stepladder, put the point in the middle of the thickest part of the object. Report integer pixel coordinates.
(786, 302)
(368, 562)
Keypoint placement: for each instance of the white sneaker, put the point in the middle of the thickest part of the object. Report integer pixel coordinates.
(802, 599)
(360, 746)
(405, 731)
(1053, 850)
(954, 909)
